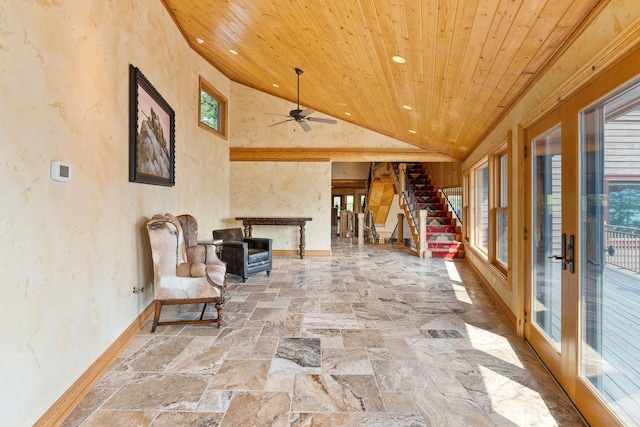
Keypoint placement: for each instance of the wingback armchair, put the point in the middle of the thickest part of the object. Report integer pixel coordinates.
(178, 279)
(244, 255)
(196, 252)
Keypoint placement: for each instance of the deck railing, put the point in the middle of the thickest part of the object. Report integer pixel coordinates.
(622, 247)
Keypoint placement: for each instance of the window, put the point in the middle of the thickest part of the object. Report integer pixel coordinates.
(213, 109)
(487, 184)
(502, 225)
(349, 202)
(481, 204)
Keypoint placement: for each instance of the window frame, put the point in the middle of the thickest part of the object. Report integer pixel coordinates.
(497, 205)
(498, 180)
(205, 86)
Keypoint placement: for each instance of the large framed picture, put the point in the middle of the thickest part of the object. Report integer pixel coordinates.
(151, 133)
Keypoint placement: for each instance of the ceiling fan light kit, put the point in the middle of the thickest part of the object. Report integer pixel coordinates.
(302, 116)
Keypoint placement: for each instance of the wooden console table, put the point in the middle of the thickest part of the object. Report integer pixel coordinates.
(250, 222)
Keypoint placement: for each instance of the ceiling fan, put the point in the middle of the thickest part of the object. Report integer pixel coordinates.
(302, 116)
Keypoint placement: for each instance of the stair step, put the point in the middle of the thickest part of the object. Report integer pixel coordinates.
(437, 214)
(442, 237)
(449, 253)
(437, 244)
(442, 228)
(438, 221)
(431, 206)
(427, 200)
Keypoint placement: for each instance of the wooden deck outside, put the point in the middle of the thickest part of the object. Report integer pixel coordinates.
(620, 382)
(618, 360)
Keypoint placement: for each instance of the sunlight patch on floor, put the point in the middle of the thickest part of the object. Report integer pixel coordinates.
(453, 271)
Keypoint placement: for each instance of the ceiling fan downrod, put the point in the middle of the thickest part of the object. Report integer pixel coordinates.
(298, 72)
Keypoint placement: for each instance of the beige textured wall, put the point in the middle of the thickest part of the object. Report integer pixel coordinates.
(70, 253)
(298, 189)
(249, 126)
(350, 170)
(615, 17)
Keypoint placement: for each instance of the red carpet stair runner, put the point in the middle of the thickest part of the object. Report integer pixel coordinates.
(443, 235)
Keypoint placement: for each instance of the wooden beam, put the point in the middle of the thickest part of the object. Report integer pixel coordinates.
(268, 154)
(348, 183)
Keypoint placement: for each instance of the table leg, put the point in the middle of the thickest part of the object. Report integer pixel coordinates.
(248, 230)
(302, 243)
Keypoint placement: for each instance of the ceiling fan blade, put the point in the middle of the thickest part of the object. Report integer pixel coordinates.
(277, 123)
(281, 115)
(304, 125)
(307, 112)
(318, 119)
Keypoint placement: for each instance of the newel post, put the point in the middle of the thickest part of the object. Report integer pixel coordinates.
(423, 251)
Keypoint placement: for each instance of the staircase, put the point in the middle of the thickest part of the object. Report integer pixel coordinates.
(444, 239)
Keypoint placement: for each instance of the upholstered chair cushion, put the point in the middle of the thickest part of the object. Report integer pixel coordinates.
(203, 253)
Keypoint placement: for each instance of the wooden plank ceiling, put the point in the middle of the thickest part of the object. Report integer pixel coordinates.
(467, 61)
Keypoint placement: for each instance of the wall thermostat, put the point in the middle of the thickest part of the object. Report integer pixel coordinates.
(60, 171)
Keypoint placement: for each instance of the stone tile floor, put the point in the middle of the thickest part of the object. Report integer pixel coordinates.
(369, 336)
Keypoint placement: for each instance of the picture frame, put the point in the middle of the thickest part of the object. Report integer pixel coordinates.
(151, 133)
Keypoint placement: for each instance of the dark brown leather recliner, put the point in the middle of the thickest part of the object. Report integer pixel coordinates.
(244, 255)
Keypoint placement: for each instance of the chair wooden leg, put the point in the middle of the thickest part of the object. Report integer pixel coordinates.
(219, 309)
(156, 315)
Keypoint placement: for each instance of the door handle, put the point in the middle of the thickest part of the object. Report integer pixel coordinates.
(567, 256)
(570, 255)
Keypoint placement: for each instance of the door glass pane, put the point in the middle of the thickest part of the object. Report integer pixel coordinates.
(610, 251)
(547, 234)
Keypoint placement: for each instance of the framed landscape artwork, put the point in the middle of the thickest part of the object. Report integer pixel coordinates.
(151, 133)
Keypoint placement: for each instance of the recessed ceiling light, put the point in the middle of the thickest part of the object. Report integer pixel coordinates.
(399, 59)
(347, 113)
(275, 85)
(233, 51)
(407, 107)
(412, 131)
(199, 40)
